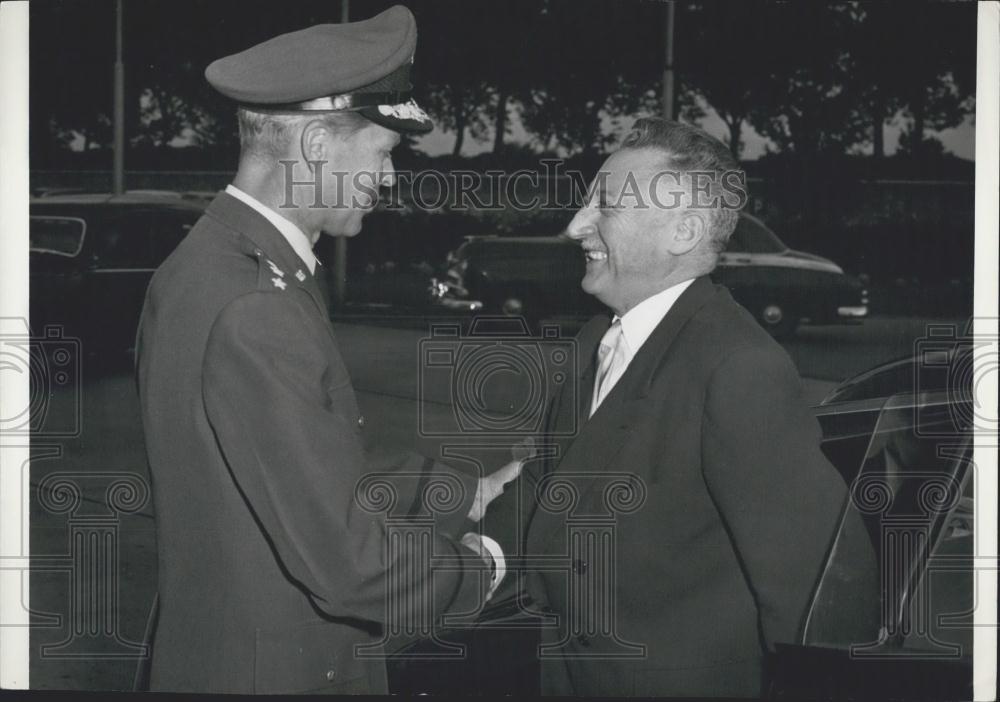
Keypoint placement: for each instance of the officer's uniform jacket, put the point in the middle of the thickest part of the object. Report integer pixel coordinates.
(271, 568)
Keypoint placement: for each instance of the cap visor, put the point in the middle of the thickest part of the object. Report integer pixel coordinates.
(398, 124)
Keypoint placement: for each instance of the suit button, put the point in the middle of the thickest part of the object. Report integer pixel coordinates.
(579, 567)
(331, 674)
(583, 640)
(361, 421)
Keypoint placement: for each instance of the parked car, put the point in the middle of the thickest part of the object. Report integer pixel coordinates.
(91, 258)
(539, 277)
(901, 437)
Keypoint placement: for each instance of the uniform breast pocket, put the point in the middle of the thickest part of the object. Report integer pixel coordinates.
(313, 657)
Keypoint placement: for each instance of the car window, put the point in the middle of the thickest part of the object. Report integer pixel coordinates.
(140, 239)
(167, 231)
(948, 585)
(909, 473)
(62, 236)
(752, 237)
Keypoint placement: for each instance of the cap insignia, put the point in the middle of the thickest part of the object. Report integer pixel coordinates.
(406, 110)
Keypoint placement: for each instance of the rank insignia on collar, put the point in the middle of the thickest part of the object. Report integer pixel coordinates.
(279, 283)
(300, 275)
(274, 269)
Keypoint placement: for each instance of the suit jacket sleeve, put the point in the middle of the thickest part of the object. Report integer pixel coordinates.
(270, 396)
(778, 496)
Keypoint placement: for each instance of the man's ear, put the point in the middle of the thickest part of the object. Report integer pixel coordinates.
(689, 230)
(315, 141)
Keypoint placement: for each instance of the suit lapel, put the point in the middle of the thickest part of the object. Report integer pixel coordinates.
(655, 351)
(569, 410)
(602, 436)
(587, 343)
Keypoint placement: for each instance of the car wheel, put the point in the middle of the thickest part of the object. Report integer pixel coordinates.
(777, 320)
(512, 307)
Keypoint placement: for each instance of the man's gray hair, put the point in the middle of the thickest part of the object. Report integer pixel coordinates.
(267, 134)
(687, 149)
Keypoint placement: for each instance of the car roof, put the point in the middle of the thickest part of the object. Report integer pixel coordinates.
(903, 375)
(147, 197)
(519, 240)
(562, 238)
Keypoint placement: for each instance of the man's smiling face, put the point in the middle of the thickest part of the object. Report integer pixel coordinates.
(624, 231)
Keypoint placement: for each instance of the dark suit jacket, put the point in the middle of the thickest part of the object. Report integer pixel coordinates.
(680, 533)
(269, 572)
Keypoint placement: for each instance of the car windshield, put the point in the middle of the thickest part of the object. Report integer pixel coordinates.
(751, 236)
(62, 236)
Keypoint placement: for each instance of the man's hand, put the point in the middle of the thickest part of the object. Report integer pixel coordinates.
(491, 487)
(491, 554)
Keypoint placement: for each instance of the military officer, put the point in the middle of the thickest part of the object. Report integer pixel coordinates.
(271, 573)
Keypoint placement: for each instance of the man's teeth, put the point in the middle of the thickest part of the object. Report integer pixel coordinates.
(596, 255)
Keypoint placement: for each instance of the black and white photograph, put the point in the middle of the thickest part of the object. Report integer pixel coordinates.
(587, 348)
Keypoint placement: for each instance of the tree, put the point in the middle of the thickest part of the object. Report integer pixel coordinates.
(805, 105)
(915, 57)
(938, 90)
(70, 88)
(449, 80)
(588, 70)
(731, 76)
(480, 58)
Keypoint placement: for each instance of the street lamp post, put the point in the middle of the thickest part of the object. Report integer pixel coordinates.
(340, 247)
(668, 63)
(118, 167)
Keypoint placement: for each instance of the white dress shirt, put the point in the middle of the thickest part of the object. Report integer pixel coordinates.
(296, 238)
(636, 325)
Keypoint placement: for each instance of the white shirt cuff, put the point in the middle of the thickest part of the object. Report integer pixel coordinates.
(498, 560)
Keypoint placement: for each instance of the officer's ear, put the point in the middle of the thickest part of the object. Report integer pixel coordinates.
(315, 141)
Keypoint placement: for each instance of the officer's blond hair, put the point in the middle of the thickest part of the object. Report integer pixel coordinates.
(267, 134)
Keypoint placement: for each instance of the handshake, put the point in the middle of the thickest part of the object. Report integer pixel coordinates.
(490, 487)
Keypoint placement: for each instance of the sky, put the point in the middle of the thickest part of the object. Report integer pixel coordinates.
(960, 141)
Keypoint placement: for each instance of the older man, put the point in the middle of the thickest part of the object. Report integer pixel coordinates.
(681, 532)
(273, 577)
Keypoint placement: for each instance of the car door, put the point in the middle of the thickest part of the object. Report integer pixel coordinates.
(123, 256)
(913, 492)
(55, 245)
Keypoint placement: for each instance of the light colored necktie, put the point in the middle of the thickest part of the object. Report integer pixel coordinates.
(610, 363)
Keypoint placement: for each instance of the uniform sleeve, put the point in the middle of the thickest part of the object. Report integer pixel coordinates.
(271, 399)
(779, 497)
(417, 478)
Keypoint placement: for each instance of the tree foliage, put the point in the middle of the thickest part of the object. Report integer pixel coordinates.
(814, 79)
